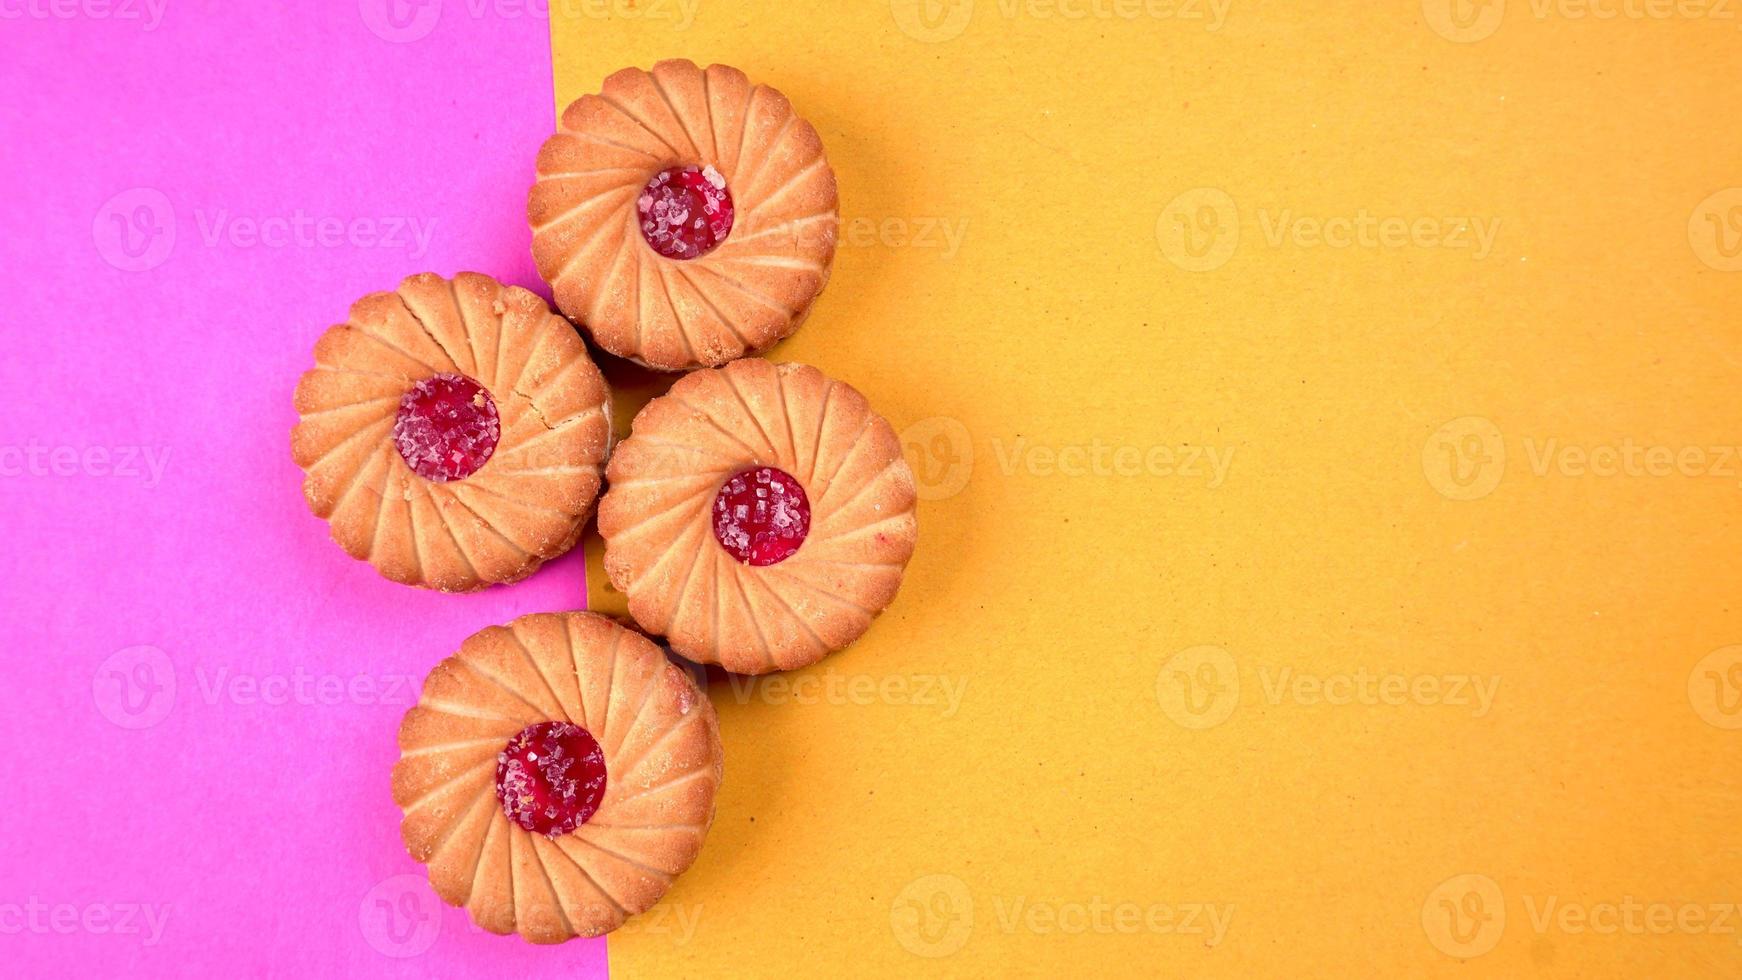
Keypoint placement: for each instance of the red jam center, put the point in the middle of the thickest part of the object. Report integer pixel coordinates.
(761, 516)
(685, 212)
(447, 427)
(551, 777)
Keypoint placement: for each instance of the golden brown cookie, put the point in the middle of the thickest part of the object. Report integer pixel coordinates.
(684, 217)
(556, 775)
(759, 516)
(452, 433)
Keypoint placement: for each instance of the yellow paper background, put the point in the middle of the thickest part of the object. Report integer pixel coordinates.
(883, 835)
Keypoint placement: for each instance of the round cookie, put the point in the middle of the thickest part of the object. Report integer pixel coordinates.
(556, 775)
(759, 516)
(452, 433)
(684, 217)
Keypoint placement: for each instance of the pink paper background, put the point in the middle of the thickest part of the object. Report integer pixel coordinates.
(250, 804)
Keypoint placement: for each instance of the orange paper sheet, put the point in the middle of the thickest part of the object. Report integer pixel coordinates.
(1328, 565)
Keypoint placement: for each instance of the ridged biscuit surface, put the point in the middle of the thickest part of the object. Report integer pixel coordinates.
(656, 516)
(661, 745)
(677, 314)
(525, 505)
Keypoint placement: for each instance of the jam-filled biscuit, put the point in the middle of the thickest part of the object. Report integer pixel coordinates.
(556, 775)
(759, 516)
(452, 433)
(683, 216)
